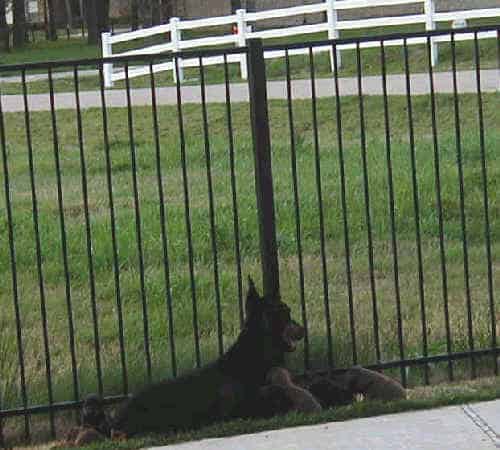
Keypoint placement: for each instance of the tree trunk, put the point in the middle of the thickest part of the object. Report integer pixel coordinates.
(102, 16)
(52, 31)
(92, 26)
(81, 17)
(97, 15)
(19, 24)
(69, 13)
(155, 12)
(134, 14)
(145, 12)
(4, 29)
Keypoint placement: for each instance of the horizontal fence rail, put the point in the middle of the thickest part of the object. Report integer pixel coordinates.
(246, 26)
(129, 219)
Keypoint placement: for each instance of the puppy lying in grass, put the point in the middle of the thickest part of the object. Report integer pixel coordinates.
(299, 399)
(95, 425)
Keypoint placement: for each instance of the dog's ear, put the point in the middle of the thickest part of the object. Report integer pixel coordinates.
(253, 298)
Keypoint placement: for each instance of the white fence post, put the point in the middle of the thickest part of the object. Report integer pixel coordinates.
(333, 33)
(430, 24)
(107, 51)
(242, 40)
(175, 38)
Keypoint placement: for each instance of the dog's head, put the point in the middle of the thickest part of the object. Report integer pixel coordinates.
(274, 321)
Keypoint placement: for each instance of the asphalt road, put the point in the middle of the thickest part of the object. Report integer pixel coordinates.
(301, 89)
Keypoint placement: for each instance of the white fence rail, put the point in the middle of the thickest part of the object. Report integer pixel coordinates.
(172, 33)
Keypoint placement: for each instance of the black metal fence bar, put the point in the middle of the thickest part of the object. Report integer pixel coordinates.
(62, 225)
(392, 213)
(57, 406)
(13, 268)
(187, 213)
(234, 200)
(88, 236)
(366, 189)
(463, 218)
(296, 202)
(345, 220)
(114, 242)
(418, 236)
(484, 179)
(163, 223)
(138, 226)
(211, 206)
(321, 216)
(34, 203)
(439, 202)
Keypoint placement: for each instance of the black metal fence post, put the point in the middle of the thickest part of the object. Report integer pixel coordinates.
(263, 168)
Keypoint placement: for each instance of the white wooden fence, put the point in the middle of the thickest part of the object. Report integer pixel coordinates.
(172, 32)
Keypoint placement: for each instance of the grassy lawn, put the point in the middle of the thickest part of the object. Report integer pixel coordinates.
(54, 284)
(77, 48)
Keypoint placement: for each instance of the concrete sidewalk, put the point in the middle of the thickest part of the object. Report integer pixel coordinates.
(301, 89)
(466, 427)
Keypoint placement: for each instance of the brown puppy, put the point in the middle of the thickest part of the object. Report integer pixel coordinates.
(373, 385)
(93, 415)
(94, 428)
(301, 400)
(330, 393)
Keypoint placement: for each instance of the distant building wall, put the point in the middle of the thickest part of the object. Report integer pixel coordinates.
(207, 8)
(211, 8)
(119, 8)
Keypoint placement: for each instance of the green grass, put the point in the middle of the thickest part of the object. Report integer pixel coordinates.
(77, 48)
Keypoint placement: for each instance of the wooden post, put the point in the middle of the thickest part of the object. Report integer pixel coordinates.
(107, 52)
(333, 33)
(242, 40)
(430, 24)
(175, 38)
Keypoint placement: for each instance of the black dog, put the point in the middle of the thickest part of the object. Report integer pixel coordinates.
(224, 388)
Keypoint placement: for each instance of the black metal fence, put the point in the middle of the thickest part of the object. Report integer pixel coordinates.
(130, 216)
